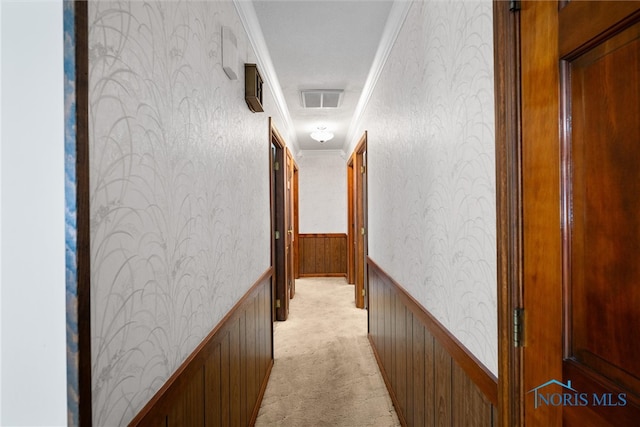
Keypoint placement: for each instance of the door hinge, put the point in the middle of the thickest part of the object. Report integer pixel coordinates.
(277, 235)
(514, 5)
(276, 166)
(277, 303)
(518, 327)
(363, 169)
(363, 231)
(364, 293)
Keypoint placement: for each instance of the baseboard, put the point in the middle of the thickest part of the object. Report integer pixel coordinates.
(324, 275)
(431, 377)
(387, 382)
(263, 388)
(223, 381)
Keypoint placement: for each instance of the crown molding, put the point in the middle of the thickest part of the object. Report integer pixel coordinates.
(249, 19)
(397, 16)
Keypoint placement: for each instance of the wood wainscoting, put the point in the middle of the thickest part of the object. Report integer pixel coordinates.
(222, 382)
(431, 377)
(322, 255)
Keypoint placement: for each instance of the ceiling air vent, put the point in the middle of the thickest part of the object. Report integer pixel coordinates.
(321, 98)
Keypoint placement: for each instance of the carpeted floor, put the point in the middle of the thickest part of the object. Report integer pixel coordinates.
(324, 372)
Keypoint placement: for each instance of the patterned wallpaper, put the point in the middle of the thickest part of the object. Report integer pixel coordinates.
(323, 192)
(179, 191)
(432, 209)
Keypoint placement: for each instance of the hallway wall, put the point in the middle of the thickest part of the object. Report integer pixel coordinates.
(323, 192)
(179, 191)
(432, 209)
(33, 374)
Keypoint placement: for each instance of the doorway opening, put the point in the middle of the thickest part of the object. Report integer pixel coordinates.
(278, 224)
(357, 229)
(284, 222)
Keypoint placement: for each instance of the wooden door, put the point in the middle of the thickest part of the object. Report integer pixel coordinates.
(363, 239)
(360, 206)
(351, 223)
(581, 212)
(279, 224)
(296, 224)
(289, 225)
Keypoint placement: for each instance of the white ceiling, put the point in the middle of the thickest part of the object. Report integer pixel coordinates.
(310, 44)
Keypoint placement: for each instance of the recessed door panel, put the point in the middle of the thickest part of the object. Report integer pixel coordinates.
(601, 233)
(605, 196)
(581, 213)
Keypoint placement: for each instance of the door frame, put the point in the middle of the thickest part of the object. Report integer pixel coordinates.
(360, 221)
(296, 222)
(77, 215)
(278, 213)
(509, 208)
(290, 225)
(350, 223)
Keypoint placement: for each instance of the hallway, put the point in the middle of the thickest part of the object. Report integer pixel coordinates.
(148, 209)
(324, 372)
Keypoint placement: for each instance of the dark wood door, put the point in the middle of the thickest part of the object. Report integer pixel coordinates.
(296, 224)
(581, 181)
(351, 223)
(289, 225)
(279, 224)
(360, 221)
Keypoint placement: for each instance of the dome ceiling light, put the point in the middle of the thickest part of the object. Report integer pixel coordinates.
(322, 135)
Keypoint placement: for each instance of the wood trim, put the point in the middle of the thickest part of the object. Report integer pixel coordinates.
(361, 147)
(272, 209)
(486, 382)
(263, 389)
(83, 252)
(595, 23)
(360, 187)
(541, 207)
(228, 370)
(387, 382)
(350, 223)
(506, 28)
(296, 220)
(322, 235)
(278, 211)
(322, 255)
(323, 275)
(289, 226)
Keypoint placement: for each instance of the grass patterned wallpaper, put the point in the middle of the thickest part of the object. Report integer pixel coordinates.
(432, 209)
(179, 191)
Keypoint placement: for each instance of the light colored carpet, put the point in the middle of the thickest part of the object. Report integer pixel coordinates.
(325, 373)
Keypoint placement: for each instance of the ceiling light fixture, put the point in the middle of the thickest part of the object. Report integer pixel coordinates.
(322, 135)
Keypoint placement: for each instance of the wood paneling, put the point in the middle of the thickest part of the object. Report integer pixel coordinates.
(431, 377)
(222, 382)
(322, 255)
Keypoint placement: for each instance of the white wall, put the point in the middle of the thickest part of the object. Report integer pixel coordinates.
(33, 364)
(1, 84)
(432, 210)
(179, 191)
(322, 192)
